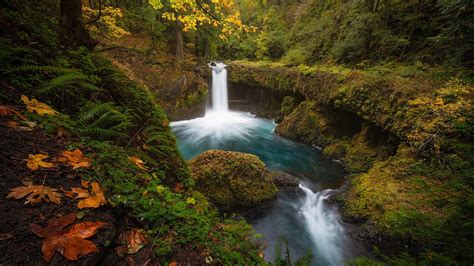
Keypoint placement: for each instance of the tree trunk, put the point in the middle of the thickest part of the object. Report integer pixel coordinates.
(178, 33)
(72, 33)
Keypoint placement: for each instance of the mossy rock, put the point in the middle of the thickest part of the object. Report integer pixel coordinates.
(232, 179)
(337, 149)
(307, 124)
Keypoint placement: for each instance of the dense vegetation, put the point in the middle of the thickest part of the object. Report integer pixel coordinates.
(356, 32)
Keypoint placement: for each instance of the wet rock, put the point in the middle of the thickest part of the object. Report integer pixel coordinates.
(282, 179)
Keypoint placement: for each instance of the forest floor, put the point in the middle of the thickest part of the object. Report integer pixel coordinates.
(19, 245)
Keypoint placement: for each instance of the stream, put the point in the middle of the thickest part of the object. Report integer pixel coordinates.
(300, 216)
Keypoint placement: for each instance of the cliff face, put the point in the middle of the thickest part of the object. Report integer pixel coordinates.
(404, 137)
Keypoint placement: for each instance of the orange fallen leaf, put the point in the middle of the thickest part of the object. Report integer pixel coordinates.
(35, 161)
(138, 162)
(70, 242)
(88, 199)
(174, 263)
(9, 111)
(96, 198)
(75, 158)
(35, 194)
(77, 193)
(38, 107)
(135, 240)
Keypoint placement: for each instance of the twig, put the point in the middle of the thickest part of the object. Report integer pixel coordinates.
(136, 133)
(100, 14)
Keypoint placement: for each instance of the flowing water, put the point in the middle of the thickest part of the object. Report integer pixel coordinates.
(302, 216)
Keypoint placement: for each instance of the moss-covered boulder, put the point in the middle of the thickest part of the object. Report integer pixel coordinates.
(232, 179)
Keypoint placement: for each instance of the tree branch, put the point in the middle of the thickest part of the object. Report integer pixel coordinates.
(100, 14)
(198, 2)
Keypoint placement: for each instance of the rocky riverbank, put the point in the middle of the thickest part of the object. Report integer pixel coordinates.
(403, 138)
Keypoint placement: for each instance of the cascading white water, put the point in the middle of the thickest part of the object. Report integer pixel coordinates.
(322, 224)
(219, 88)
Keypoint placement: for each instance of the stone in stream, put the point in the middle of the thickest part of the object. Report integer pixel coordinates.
(283, 179)
(232, 180)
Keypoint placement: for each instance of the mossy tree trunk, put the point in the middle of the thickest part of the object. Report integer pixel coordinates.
(72, 33)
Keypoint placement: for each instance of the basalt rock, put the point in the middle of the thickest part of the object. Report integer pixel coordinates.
(232, 180)
(283, 179)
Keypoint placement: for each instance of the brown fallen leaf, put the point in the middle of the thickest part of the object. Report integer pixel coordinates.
(35, 194)
(38, 107)
(88, 199)
(75, 158)
(138, 162)
(70, 242)
(135, 240)
(178, 187)
(9, 111)
(35, 161)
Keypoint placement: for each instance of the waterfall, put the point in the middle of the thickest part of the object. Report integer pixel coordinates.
(323, 226)
(219, 88)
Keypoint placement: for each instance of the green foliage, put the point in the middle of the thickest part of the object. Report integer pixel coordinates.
(295, 57)
(103, 121)
(355, 31)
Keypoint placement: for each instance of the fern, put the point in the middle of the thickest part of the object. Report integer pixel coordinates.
(46, 69)
(73, 84)
(103, 121)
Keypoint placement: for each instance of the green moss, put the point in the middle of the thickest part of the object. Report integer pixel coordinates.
(337, 149)
(232, 179)
(288, 105)
(306, 123)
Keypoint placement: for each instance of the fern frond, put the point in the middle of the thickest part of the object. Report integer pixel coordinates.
(47, 69)
(72, 83)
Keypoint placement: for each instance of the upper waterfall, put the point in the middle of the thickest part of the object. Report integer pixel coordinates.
(219, 87)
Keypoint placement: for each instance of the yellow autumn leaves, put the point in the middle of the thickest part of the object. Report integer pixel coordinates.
(191, 14)
(38, 107)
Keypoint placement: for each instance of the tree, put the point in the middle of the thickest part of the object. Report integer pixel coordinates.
(71, 32)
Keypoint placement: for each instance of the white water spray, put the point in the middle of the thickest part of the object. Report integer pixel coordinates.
(220, 101)
(323, 226)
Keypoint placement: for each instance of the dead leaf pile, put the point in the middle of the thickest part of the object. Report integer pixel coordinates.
(71, 241)
(38, 107)
(34, 162)
(88, 199)
(135, 240)
(35, 194)
(75, 159)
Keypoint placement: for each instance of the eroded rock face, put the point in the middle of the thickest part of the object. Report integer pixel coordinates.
(232, 179)
(307, 123)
